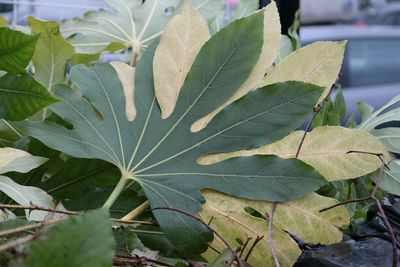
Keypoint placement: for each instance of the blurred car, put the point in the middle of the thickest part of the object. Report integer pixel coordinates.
(371, 66)
(388, 14)
(327, 11)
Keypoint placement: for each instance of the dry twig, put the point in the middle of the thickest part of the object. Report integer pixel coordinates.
(270, 239)
(66, 212)
(258, 239)
(316, 110)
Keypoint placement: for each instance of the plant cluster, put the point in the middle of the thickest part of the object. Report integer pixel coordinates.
(187, 155)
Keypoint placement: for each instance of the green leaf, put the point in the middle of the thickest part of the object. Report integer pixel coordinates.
(365, 110)
(269, 52)
(390, 137)
(160, 154)
(77, 176)
(243, 9)
(21, 161)
(21, 97)
(8, 135)
(84, 59)
(16, 50)
(301, 218)
(391, 179)
(84, 240)
(26, 196)
(325, 149)
(51, 54)
(385, 114)
(286, 48)
(3, 22)
(208, 8)
(133, 23)
(15, 160)
(332, 113)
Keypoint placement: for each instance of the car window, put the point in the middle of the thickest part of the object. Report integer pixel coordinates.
(390, 19)
(372, 61)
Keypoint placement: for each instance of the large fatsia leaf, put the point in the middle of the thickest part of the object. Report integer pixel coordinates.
(16, 50)
(51, 53)
(14, 160)
(132, 23)
(161, 154)
(326, 149)
(228, 216)
(64, 244)
(21, 96)
(318, 63)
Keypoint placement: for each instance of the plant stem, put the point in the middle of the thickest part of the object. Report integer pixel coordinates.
(12, 128)
(117, 191)
(17, 242)
(137, 211)
(270, 239)
(28, 227)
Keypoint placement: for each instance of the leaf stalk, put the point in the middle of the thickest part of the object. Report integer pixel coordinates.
(116, 192)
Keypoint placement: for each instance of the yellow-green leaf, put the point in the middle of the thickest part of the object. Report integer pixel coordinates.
(180, 43)
(325, 149)
(269, 52)
(126, 74)
(318, 63)
(51, 54)
(15, 160)
(3, 22)
(9, 154)
(301, 218)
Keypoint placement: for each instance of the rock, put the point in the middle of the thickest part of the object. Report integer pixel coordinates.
(371, 252)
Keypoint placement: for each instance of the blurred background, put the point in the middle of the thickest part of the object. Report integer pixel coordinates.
(370, 71)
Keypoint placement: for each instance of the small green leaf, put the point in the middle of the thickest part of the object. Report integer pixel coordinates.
(16, 50)
(84, 59)
(391, 180)
(21, 96)
(20, 161)
(15, 160)
(85, 240)
(387, 113)
(3, 22)
(51, 54)
(26, 196)
(390, 137)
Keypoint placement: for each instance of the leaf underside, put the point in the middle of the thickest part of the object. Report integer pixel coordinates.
(161, 154)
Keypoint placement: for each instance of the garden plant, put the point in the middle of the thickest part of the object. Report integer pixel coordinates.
(187, 151)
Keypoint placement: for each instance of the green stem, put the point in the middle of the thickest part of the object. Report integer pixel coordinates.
(12, 128)
(117, 191)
